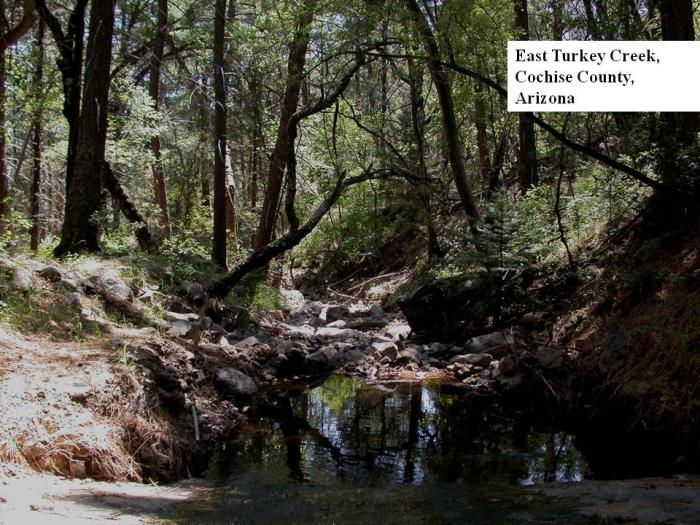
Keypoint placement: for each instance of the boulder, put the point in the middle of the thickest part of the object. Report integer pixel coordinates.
(293, 301)
(534, 320)
(305, 331)
(50, 273)
(23, 280)
(323, 359)
(409, 355)
(398, 331)
(449, 308)
(235, 382)
(496, 343)
(335, 312)
(508, 366)
(384, 349)
(337, 324)
(110, 282)
(247, 344)
(335, 334)
(179, 327)
(472, 359)
(549, 358)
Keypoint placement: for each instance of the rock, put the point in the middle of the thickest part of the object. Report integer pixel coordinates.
(323, 359)
(75, 299)
(398, 331)
(194, 291)
(383, 349)
(23, 280)
(497, 344)
(174, 316)
(472, 359)
(235, 381)
(179, 328)
(408, 356)
(508, 366)
(179, 307)
(450, 307)
(112, 283)
(337, 324)
(534, 320)
(304, 331)
(376, 311)
(549, 358)
(194, 333)
(335, 312)
(247, 344)
(293, 301)
(205, 323)
(330, 333)
(50, 273)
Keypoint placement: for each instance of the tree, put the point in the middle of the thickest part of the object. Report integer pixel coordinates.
(283, 144)
(79, 232)
(37, 144)
(4, 181)
(22, 28)
(220, 186)
(527, 145)
(441, 81)
(678, 130)
(154, 91)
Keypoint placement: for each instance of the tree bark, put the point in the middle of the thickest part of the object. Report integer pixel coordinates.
(290, 100)
(159, 190)
(79, 233)
(527, 145)
(442, 87)
(128, 208)
(4, 181)
(70, 46)
(481, 132)
(37, 144)
(677, 133)
(22, 28)
(220, 185)
(415, 79)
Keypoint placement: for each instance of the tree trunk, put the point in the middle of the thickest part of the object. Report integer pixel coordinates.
(154, 92)
(481, 132)
(35, 193)
(290, 100)
(82, 199)
(557, 19)
(70, 46)
(677, 133)
(261, 257)
(442, 87)
(121, 198)
(220, 186)
(4, 181)
(527, 145)
(415, 78)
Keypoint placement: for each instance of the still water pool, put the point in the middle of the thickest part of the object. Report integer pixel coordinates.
(349, 452)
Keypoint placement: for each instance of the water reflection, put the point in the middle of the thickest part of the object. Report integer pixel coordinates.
(347, 431)
(348, 452)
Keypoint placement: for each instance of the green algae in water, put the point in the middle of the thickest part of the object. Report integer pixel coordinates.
(348, 452)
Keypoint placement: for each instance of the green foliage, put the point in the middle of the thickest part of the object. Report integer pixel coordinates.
(256, 295)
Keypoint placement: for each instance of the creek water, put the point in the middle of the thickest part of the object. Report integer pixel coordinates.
(349, 452)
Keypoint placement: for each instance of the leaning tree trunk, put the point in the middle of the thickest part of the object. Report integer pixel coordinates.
(154, 92)
(283, 144)
(79, 232)
(444, 92)
(527, 145)
(37, 144)
(219, 238)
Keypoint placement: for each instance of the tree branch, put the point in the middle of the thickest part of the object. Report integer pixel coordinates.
(24, 25)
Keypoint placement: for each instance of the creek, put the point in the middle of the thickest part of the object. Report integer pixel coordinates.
(351, 452)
